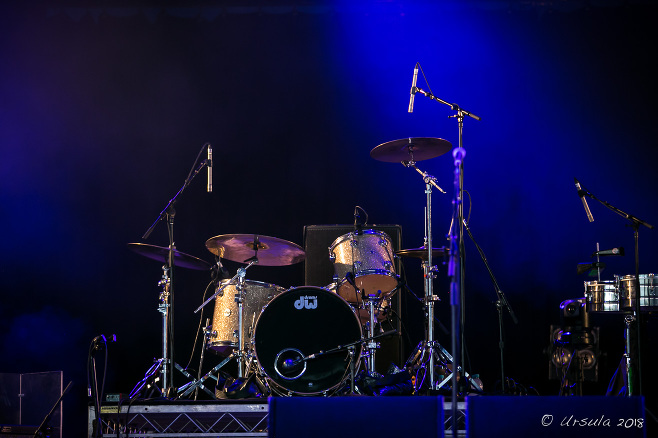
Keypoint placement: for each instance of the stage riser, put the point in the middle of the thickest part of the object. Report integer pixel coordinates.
(283, 417)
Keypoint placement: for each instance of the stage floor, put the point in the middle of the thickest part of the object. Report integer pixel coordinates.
(217, 418)
(367, 416)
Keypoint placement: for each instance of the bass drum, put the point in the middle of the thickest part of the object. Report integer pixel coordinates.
(301, 322)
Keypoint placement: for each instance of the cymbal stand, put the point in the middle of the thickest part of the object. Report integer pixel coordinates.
(429, 270)
(168, 213)
(636, 317)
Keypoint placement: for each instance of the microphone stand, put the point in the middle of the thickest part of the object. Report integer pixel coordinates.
(501, 303)
(167, 306)
(457, 287)
(635, 223)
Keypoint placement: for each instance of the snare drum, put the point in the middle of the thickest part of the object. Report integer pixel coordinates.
(301, 322)
(369, 256)
(225, 318)
(648, 292)
(602, 296)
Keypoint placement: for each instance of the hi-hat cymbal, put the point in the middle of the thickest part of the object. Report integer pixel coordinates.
(161, 254)
(242, 248)
(410, 149)
(422, 252)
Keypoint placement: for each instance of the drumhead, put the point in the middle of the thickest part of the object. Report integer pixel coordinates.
(301, 322)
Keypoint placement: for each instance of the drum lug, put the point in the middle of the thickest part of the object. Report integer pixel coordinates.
(357, 265)
(332, 256)
(354, 243)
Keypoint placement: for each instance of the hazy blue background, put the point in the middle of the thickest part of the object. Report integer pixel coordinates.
(103, 109)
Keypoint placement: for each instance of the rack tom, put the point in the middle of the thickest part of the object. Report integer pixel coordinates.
(369, 256)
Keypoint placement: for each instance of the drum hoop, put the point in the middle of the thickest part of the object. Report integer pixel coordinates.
(352, 234)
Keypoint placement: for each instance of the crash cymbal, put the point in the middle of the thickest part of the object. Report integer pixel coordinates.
(421, 252)
(410, 149)
(242, 248)
(161, 254)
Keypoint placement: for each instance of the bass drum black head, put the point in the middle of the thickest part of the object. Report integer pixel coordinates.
(301, 322)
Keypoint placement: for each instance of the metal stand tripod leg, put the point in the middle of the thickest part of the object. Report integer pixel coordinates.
(372, 346)
(630, 387)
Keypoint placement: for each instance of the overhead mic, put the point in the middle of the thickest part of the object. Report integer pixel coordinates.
(413, 89)
(582, 194)
(209, 166)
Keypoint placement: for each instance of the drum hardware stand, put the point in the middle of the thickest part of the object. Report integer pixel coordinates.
(371, 345)
(636, 318)
(239, 281)
(629, 320)
(161, 365)
(429, 271)
(501, 303)
(420, 357)
(168, 316)
(190, 387)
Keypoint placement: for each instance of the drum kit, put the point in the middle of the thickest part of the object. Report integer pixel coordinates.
(305, 340)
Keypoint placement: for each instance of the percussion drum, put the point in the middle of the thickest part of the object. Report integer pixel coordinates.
(225, 318)
(369, 256)
(602, 296)
(301, 322)
(648, 292)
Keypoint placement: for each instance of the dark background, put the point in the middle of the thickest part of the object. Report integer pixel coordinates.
(104, 107)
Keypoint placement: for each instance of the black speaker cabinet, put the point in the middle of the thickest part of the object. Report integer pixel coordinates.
(319, 271)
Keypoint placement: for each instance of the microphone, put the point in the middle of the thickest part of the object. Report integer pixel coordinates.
(289, 364)
(209, 168)
(610, 252)
(358, 221)
(413, 89)
(582, 194)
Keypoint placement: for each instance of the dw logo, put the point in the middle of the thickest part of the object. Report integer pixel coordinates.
(306, 302)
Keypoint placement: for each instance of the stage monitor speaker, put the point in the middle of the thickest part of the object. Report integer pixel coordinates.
(551, 416)
(356, 416)
(318, 269)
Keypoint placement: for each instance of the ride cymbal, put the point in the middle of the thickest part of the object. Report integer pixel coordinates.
(242, 248)
(410, 149)
(421, 253)
(161, 254)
